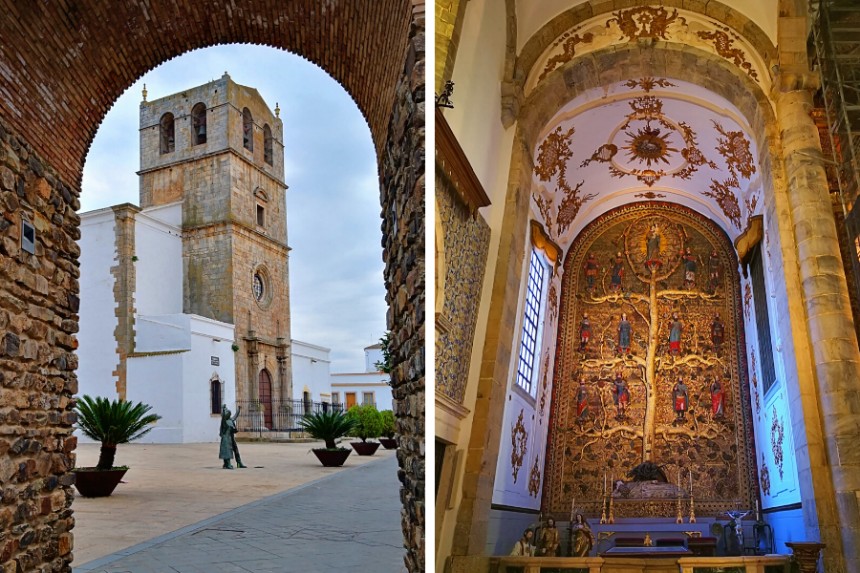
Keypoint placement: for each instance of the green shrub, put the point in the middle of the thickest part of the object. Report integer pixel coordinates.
(389, 426)
(368, 421)
(113, 423)
(327, 426)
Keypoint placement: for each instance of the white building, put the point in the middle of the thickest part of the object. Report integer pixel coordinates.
(368, 387)
(311, 372)
(180, 361)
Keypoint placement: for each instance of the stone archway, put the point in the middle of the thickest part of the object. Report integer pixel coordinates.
(63, 66)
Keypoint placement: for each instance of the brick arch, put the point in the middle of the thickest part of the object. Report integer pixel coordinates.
(64, 67)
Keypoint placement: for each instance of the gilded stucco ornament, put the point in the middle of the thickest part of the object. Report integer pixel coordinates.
(519, 437)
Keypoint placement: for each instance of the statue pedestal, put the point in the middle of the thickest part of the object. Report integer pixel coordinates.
(806, 553)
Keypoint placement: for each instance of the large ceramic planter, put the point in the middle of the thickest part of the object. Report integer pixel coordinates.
(365, 448)
(97, 483)
(388, 443)
(332, 458)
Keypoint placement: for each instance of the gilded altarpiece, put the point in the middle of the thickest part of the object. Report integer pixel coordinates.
(650, 365)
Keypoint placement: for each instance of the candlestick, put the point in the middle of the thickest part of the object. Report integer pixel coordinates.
(692, 510)
(611, 514)
(691, 482)
(602, 510)
(604, 483)
(757, 516)
(572, 505)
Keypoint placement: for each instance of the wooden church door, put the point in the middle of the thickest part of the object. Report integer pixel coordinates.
(266, 398)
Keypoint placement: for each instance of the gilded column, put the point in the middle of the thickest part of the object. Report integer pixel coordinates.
(835, 354)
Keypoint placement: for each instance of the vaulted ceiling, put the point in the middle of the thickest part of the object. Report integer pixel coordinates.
(645, 139)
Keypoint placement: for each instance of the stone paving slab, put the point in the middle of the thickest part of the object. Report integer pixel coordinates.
(342, 520)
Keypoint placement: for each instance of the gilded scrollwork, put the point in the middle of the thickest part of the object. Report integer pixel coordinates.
(519, 439)
(553, 154)
(764, 477)
(721, 192)
(735, 149)
(568, 42)
(648, 83)
(777, 435)
(654, 144)
(723, 42)
(534, 478)
(645, 22)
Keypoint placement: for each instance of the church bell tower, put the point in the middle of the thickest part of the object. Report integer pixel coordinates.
(217, 149)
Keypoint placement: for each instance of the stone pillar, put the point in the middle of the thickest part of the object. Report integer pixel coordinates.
(402, 196)
(836, 479)
(124, 286)
(285, 384)
(252, 391)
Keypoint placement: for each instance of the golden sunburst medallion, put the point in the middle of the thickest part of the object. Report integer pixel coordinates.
(648, 145)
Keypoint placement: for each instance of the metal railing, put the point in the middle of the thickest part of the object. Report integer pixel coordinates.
(279, 415)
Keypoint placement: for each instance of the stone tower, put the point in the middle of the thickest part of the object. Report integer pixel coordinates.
(218, 149)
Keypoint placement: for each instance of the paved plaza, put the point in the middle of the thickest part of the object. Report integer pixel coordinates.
(179, 512)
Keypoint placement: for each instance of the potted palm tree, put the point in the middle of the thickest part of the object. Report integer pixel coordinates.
(389, 427)
(328, 426)
(111, 422)
(368, 424)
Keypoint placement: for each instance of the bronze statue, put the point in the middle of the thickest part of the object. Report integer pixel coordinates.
(582, 540)
(228, 439)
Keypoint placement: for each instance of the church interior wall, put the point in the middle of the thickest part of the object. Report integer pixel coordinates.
(97, 355)
(518, 478)
(785, 323)
(505, 527)
(478, 72)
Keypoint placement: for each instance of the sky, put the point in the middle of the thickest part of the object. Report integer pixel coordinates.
(337, 292)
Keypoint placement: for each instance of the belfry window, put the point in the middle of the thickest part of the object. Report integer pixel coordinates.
(247, 129)
(261, 216)
(166, 134)
(532, 329)
(267, 144)
(198, 124)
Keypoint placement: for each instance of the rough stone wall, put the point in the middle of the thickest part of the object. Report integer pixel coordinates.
(402, 195)
(38, 320)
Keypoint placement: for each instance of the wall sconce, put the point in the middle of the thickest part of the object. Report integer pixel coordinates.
(444, 99)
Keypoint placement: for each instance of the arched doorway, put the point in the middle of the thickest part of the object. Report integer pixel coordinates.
(52, 113)
(264, 386)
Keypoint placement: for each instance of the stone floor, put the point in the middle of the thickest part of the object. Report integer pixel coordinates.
(179, 512)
